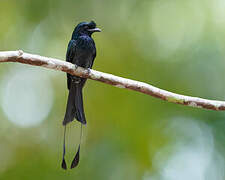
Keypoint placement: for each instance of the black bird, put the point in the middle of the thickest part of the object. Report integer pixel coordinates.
(82, 52)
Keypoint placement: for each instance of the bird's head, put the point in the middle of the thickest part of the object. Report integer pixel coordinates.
(85, 28)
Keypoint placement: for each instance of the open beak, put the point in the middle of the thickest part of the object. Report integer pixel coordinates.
(95, 30)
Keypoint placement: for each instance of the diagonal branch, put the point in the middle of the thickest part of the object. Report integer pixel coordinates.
(51, 63)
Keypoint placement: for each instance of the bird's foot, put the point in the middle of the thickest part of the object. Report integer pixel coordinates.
(89, 70)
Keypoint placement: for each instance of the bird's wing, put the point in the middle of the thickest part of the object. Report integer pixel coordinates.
(94, 55)
(71, 50)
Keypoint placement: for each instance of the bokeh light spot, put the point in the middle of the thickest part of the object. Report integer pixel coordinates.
(27, 96)
(172, 28)
(193, 155)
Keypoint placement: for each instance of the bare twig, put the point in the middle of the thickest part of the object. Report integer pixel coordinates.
(51, 63)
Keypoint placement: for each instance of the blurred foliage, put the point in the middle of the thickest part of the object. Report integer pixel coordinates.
(175, 45)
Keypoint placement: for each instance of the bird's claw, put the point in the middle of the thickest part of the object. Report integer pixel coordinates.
(89, 70)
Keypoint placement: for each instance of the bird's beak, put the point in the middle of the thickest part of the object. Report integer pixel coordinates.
(95, 30)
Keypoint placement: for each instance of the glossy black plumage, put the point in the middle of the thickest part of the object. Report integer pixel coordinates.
(82, 52)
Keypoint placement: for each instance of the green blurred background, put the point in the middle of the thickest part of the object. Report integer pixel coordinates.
(175, 45)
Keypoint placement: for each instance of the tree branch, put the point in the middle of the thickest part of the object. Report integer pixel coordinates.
(51, 63)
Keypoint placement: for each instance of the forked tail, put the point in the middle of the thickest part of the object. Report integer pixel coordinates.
(75, 108)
